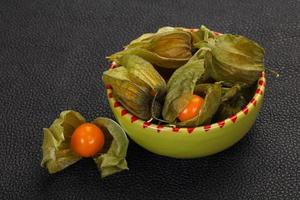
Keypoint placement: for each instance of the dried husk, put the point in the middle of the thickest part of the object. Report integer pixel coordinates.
(212, 100)
(135, 98)
(229, 93)
(230, 108)
(234, 99)
(57, 152)
(181, 86)
(234, 59)
(143, 73)
(112, 159)
(169, 49)
(201, 37)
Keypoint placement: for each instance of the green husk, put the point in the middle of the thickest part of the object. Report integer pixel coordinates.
(135, 84)
(113, 160)
(135, 98)
(143, 73)
(230, 93)
(233, 100)
(234, 59)
(212, 100)
(201, 37)
(160, 30)
(57, 154)
(150, 57)
(169, 44)
(169, 49)
(170, 28)
(230, 108)
(181, 86)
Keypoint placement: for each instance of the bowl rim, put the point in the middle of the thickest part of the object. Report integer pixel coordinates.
(259, 93)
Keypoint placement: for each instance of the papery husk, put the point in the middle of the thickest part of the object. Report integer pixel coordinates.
(135, 98)
(201, 37)
(230, 108)
(234, 59)
(144, 74)
(169, 49)
(229, 93)
(113, 158)
(234, 99)
(181, 86)
(212, 100)
(57, 154)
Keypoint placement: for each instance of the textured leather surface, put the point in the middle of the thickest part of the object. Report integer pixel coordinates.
(52, 56)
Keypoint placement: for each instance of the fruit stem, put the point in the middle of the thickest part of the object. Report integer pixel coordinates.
(276, 74)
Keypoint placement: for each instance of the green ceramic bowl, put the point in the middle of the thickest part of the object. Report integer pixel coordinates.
(190, 142)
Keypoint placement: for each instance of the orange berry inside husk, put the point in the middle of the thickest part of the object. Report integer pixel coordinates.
(87, 140)
(192, 109)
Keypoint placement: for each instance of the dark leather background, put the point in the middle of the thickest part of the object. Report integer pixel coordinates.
(52, 57)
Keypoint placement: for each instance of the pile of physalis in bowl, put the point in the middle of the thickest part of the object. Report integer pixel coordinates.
(185, 78)
(175, 77)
